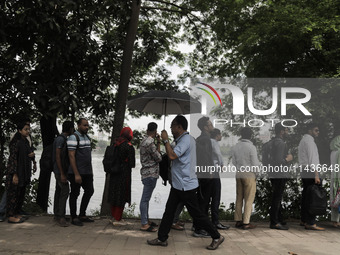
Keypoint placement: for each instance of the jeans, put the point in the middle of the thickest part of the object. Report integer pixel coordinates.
(149, 185)
(189, 198)
(87, 185)
(278, 187)
(3, 203)
(60, 197)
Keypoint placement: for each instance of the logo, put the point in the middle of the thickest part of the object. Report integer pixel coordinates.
(208, 92)
(278, 101)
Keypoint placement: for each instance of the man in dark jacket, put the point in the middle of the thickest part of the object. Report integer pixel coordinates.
(204, 161)
(281, 157)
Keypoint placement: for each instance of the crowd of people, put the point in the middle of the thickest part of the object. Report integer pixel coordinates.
(199, 192)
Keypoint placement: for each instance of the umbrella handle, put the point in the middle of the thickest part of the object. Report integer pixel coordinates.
(164, 107)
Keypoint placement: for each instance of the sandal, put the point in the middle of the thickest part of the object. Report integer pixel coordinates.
(21, 220)
(149, 229)
(314, 227)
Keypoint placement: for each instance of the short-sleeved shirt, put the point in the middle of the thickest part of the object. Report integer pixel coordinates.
(183, 167)
(58, 143)
(83, 153)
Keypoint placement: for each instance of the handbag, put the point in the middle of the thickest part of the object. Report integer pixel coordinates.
(336, 201)
(317, 198)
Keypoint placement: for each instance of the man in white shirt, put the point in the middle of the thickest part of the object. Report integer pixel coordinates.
(308, 161)
(245, 159)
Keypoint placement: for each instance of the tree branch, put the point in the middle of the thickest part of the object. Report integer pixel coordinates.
(162, 9)
(168, 3)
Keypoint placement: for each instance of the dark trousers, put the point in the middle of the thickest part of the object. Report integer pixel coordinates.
(215, 201)
(204, 197)
(178, 212)
(278, 187)
(60, 197)
(189, 198)
(87, 185)
(15, 199)
(305, 216)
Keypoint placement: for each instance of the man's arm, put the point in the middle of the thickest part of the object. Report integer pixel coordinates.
(72, 157)
(59, 165)
(280, 157)
(169, 151)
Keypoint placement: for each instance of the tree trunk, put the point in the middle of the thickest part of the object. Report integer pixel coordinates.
(48, 127)
(122, 93)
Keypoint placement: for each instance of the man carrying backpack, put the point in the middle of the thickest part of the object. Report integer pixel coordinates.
(60, 168)
(309, 161)
(280, 156)
(80, 172)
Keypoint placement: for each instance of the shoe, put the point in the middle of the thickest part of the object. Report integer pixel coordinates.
(238, 224)
(248, 226)
(62, 222)
(278, 226)
(215, 243)
(86, 219)
(221, 226)
(21, 220)
(314, 227)
(157, 242)
(77, 222)
(201, 233)
(176, 226)
(2, 218)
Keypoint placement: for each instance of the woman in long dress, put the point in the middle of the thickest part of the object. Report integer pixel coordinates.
(335, 178)
(18, 174)
(120, 184)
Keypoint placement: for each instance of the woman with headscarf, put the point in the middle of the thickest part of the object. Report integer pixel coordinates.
(120, 184)
(18, 174)
(335, 178)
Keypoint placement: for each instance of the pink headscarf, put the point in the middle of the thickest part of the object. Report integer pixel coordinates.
(125, 135)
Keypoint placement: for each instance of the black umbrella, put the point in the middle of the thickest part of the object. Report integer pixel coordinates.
(164, 103)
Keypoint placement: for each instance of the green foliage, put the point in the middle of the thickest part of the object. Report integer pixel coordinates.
(269, 39)
(129, 212)
(31, 197)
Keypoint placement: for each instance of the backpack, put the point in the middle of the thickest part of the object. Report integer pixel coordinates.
(111, 161)
(267, 153)
(164, 168)
(317, 199)
(65, 160)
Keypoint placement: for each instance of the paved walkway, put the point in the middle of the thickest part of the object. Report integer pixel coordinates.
(40, 235)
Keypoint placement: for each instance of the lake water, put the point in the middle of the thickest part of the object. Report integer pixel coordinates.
(159, 196)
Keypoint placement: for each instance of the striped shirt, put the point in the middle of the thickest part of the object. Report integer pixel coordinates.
(83, 153)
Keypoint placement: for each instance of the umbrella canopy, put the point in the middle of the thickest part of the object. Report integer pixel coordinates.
(164, 103)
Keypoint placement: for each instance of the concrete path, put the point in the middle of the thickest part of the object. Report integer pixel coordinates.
(40, 235)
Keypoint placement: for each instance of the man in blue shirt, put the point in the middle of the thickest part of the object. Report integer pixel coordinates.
(184, 184)
(80, 172)
(60, 172)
